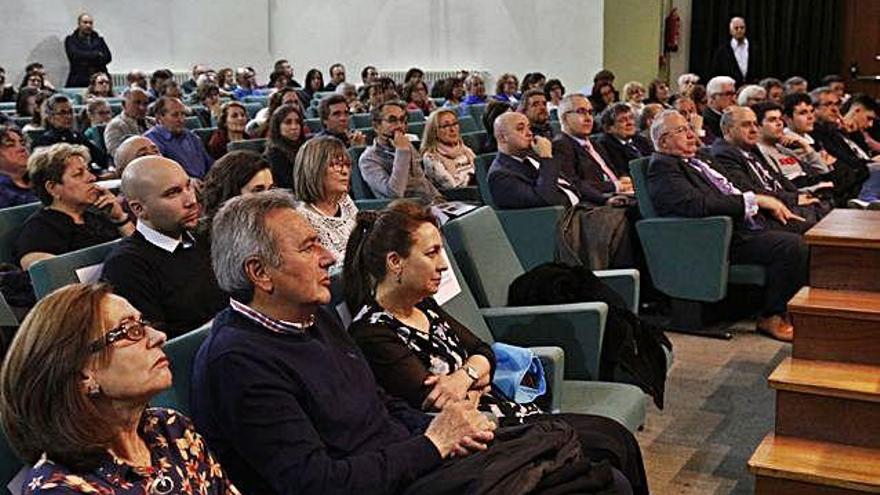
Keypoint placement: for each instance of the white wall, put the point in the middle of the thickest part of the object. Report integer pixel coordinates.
(562, 38)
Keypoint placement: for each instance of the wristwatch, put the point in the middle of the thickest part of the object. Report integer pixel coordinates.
(471, 372)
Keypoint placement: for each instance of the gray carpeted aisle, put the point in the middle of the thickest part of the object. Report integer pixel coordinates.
(718, 408)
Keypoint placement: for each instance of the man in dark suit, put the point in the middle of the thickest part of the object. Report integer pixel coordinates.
(682, 185)
(721, 94)
(585, 164)
(741, 162)
(525, 174)
(620, 137)
(737, 57)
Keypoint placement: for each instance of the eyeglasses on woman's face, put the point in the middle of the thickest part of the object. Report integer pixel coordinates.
(133, 329)
(340, 162)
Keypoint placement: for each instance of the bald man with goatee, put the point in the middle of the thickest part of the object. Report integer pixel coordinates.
(163, 269)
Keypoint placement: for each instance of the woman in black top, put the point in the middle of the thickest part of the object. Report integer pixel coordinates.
(77, 212)
(393, 266)
(286, 135)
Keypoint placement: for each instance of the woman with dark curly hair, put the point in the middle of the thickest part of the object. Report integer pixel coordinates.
(238, 172)
(286, 135)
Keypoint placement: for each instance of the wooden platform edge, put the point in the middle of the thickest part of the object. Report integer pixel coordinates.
(818, 383)
(790, 459)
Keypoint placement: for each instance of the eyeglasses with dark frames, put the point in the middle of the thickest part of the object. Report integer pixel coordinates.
(133, 330)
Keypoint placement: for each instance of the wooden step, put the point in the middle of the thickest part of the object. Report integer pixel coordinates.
(845, 251)
(834, 325)
(788, 465)
(828, 401)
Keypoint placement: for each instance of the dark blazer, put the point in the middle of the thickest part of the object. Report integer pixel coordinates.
(53, 135)
(735, 167)
(87, 55)
(677, 190)
(712, 126)
(724, 64)
(514, 184)
(621, 154)
(579, 168)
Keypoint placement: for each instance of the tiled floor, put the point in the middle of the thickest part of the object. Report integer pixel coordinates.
(718, 408)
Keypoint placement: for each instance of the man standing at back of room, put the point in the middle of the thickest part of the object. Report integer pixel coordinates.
(737, 57)
(86, 51)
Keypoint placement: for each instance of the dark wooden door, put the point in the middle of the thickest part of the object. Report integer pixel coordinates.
(861, 46)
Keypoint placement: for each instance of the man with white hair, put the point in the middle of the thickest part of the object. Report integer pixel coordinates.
(131, 121)
(751, 94)
(682, 185)
(738, 57)
(721, 92)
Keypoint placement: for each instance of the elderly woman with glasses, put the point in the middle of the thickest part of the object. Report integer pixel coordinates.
(322, 175)
(58, 121)
(448, 162)
(74, 391)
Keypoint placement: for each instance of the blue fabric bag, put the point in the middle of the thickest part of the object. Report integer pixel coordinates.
(519, 374)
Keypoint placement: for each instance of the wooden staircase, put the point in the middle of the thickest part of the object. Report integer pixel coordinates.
(827, 434)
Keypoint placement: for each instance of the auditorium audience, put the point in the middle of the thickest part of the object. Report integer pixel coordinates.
(774, 88)
(682, 185)
(533, 80)
(26, 105)
(162, 269)
(245, 84)
(778, 149)
(337, 76)
(136, 78)
(422, 355)
(525, 174)
(737, 157)
(226, 81)
(413, 74)
(238, 172)
(76, 385)
(278, 80)
(177, 142)
(602, 95)
(58, 121)
(259, 380)
(7, 91)
(449, 164)
(15, 187)
(322, 177)
(688, 109)
(349, 91)
(259, 125)
(859, 113)
(634, 96)
(369, 74)
(415, 94)
(314, 83)
(392, 167)
(76, 212)
(700, 97)
(658, 92)
(721, 91)
(131, 121)
(283, 65)
(34, 80)
(553, 91)
(829, 134)
(737, 57)
(192, 83)
(100, 86)
(86, 51)
(506, 89)
(333, 111)
(37, 69)
(837, 84)
(796, 84)
(230, 128)
(493, 109)
(133, 147)
(286, 136)
(750, 94)
(620, 138)
(157, 79)
(584, 164)
(207, 95)
(454, 95)
(650, 111)
(475, 89)
(97, 112)
(686, 83)
(533, 104)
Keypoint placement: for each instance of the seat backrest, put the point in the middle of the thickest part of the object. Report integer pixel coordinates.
(258, 145)
(482, 164)
(359, 187)
(314, 125)
(58, 271)
(463, 307)
(477, 112)
(415, 116)
(475, 140)
(360, 120)
(252, 109)
(192, 123)
(204, 133)
(532, 233)
(181, 352)
(638, 170)
(11, 220)
(372, 204)
(467, 124)
(10, 464)
(484, 254)
(416, 128)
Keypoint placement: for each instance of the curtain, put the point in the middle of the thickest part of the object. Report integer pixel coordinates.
(794, 37)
